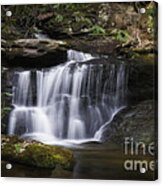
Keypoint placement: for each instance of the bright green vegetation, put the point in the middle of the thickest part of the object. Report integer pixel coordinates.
(36, 154)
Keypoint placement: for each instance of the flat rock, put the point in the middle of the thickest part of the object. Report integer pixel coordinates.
(33, 52)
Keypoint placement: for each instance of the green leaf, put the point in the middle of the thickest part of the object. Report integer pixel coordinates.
(59, 18)
(120, 35)
(96, 30)
(17, 148)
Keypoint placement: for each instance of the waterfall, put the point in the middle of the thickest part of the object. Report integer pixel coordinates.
(73, 101)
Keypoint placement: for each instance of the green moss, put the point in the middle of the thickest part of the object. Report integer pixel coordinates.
(37, 154)
(150, 58)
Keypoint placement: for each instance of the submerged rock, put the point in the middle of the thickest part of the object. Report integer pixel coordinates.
(34, 153)
(137, 121)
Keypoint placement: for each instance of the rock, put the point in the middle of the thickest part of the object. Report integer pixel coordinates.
(34, 153)
(100, 46)
(141, 76)
(136, 121)
(3, 44)
(6, 97)
(50, 44)
(142, 80)
(33, 53)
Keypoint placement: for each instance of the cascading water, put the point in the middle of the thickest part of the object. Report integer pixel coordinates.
(73, 101)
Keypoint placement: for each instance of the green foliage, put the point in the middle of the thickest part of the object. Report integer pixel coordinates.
(98, 30)
(5, 109)
(17, 148)
(25, 21)
(59, 18)
(120, 35)
(4, 106)
(71, 19)
(151, 12)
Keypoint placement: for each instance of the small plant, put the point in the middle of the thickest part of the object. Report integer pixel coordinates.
(98, 30)
(120, 35)
(17, 148)
(59, 18)
(4, 107)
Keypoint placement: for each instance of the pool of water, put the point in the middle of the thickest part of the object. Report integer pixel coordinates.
(93, 161)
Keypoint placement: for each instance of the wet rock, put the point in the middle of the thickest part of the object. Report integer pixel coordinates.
(33, 153)
(3, 44)
(142, 80)
(141, 76)
(136, 121)
(33, 53)
(6, 97)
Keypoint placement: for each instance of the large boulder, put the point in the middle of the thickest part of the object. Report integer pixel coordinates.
(136, 121)
(34, 153)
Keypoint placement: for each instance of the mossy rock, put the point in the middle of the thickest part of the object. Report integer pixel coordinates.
(35, 153)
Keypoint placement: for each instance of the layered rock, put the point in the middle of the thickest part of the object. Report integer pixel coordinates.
(33, 53)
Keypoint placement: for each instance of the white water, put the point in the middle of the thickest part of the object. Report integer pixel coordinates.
(74, 101)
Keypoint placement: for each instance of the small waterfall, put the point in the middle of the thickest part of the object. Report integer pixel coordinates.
(78, 56)
(73, 100)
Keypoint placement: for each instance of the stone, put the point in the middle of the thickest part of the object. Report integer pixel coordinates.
(34, 53)
(137, 121)
(33, 153)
